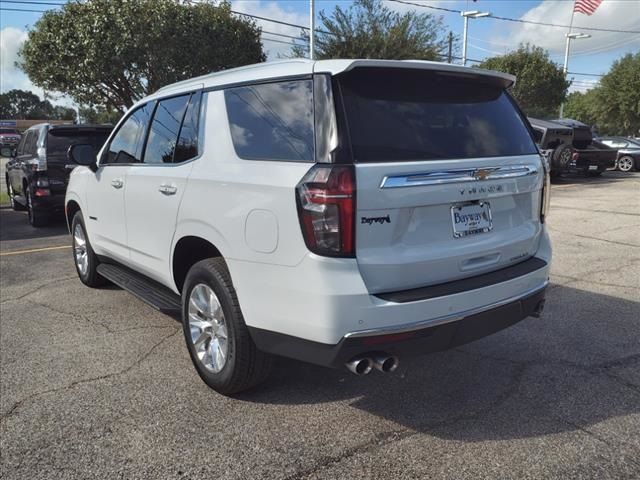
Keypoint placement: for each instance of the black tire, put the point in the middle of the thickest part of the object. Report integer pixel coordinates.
(18, 207)
(91, 277)
(245, 365)
(36, 217)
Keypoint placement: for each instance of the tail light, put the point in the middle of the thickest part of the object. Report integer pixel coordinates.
(326, 208)
(42, 159)
(546, 189)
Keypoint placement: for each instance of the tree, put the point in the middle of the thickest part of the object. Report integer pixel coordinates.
(370, 29)
(99, 114)
(541, 85)
(113, 52)
(617, 98)
(26, 105)
(581, 106)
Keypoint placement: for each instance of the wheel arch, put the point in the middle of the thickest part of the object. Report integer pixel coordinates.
(189, 250)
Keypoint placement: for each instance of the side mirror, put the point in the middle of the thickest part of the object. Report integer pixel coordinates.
(7, 152)
(83, 154)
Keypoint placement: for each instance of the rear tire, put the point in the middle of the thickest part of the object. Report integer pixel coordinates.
(84, 258)
(36, 217)
(625, 164)
(210, 306)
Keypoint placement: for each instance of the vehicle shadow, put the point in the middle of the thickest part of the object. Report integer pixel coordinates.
(15, 226)
(542, 376)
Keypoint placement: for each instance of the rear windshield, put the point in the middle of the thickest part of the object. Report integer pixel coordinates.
(58, 142)
(403, 115)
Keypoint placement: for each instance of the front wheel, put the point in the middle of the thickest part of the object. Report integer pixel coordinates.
(85, 259)
(218, 340)
(625, 164)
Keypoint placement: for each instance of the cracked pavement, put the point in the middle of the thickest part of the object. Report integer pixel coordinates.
(95, 384)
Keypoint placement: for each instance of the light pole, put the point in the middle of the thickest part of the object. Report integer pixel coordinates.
(312, 25)
(565, 68)
(467, 15)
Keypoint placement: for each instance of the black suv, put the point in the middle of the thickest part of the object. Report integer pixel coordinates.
(38, 171)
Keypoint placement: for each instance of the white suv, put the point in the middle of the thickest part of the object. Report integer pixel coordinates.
(340, 212)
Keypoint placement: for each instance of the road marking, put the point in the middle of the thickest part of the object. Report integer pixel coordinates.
(34, 250)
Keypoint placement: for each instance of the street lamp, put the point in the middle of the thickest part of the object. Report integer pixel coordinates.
(467, 15)
(565, 68)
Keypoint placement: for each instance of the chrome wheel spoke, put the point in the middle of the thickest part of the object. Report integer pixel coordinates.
(208, 329)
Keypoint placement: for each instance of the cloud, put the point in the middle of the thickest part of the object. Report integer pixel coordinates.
(612, 14)
(11, 39)
(581, 85)
(271, 9)
(11, 77)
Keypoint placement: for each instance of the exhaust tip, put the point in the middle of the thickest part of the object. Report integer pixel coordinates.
(360, 365)
(386, 363)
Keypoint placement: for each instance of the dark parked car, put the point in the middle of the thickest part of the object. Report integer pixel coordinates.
(38, 172)
(628, 152)
(555, 142)
(9, 137)
(589, 156)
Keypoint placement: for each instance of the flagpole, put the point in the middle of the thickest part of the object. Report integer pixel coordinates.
(566, 51)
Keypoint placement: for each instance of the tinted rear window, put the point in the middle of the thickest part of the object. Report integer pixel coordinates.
(272, 121)
(404, 115)
(58, 142)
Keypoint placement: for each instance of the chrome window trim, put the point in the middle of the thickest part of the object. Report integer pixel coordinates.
(463, 175)
(444, 319)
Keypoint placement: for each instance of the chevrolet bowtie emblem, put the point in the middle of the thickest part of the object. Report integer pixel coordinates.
(481, 174)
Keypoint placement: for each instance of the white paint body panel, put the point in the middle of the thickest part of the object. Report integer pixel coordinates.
(247, 210)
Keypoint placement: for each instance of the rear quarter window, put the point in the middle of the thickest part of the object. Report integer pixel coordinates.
(405, 115)
(272, 121)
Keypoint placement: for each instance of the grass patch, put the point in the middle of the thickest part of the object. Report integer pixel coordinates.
(4, 198)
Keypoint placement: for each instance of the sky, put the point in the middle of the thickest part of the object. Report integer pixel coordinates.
(486, 37)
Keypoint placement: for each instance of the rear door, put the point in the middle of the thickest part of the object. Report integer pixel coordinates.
(448, 177)
(155, 187)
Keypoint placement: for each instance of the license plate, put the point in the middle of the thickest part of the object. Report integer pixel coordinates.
(471, 218)
(593, 167)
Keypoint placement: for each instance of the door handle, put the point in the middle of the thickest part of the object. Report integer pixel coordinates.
(168, 189)
(117, 183)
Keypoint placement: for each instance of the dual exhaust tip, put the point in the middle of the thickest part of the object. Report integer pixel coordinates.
(362, 365)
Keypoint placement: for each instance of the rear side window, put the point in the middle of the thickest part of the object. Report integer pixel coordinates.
(126, 145)
(272, 121)
(404, 115)
(30, 143)
(59, 141)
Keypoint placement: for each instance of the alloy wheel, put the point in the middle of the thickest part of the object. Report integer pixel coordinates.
(208, 328)
(625, 164)
(80, 249)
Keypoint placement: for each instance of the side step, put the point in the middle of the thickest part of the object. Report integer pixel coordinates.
(147, 290)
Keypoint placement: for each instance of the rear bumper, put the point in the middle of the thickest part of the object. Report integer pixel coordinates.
(52, 204)
(407, 341)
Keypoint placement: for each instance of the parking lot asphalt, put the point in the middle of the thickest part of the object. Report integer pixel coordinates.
(96, 384)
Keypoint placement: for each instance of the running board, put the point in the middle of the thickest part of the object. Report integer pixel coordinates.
(156, 295)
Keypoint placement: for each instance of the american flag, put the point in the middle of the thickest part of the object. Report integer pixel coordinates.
(586, 6)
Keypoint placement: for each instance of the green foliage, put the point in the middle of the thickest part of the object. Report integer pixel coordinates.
(370, 29)
(113, 52)
(541, 86)
(24, 105)
(100, 114)
(614, 105)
